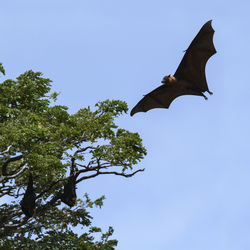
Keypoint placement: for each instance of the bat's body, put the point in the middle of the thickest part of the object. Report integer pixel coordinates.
(69, 194)
(28, 202)
(189, 78)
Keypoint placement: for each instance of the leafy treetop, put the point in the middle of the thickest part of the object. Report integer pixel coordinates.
(47, 141)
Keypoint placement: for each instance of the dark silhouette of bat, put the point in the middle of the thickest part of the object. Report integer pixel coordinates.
(69, 191)
(189, 78)
(28, 204)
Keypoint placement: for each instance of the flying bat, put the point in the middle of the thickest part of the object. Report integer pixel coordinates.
(28, 202)
(189, 78)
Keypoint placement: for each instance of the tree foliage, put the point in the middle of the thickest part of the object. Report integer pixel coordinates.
(39, 137)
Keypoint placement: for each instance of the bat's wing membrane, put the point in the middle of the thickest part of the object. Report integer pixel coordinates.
(161, 97)
(190, 74)
(192, 66)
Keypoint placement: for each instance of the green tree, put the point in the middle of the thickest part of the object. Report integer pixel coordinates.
(41, 138)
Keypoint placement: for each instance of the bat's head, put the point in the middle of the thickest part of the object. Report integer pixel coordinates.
(168, 79)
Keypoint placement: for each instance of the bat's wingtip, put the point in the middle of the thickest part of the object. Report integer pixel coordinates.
(132, 113)
(208, 25)
(209, 22)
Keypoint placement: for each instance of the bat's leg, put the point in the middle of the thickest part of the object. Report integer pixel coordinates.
(209, 92)
(204, 96)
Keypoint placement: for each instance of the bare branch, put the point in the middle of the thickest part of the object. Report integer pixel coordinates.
(88, 177)
(110, 172)
(82, 166)
(122, 174)
(6, 151)
(5, 178)
(6, 163)
(8, 190)
(88, 170)
(19, 172)
(83, 149)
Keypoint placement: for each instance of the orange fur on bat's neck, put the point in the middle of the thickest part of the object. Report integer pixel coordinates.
(171, 79)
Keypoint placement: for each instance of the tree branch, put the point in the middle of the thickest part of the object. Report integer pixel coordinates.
(111, 172)
(6, 163)
(122, 174)
(6, 151)
(5, 178)
(83, 149)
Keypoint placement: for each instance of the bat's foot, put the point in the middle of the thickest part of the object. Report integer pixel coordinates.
(204, 96)
(209, 92)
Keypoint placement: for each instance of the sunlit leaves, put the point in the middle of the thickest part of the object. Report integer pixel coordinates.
(49, 139)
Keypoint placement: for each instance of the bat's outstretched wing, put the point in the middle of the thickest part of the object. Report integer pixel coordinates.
(162, 96)
(192, 66)
(190, 74)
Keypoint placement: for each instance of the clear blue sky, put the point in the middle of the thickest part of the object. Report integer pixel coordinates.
(194, 193)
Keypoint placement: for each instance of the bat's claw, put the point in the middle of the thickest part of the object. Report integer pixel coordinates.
(204, 96)
(209, 92)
